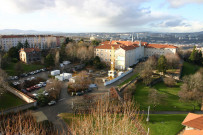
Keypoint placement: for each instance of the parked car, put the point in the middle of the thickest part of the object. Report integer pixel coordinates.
(32, 78)
(36, 87)
(24, 91)
(39, 85)
(28, 89)
(16, 77)
(43, 84)
(32, 88)
(79, 93)
(45, 93)
(52, 102)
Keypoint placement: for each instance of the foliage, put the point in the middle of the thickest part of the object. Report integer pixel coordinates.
(173, 61)
(19, 68)
(49, 60)
(162, 64)
(154, 97)
(26, 44)
(189, 68)
(147, 69)
(196, 56)
(170, 103)
(24, 123)
(170, 81)
(19, 46)
(13, 53)
(98, 64)
(107, 118)
(42, 100)
(54, 88)
(95, 42)
(191, 90)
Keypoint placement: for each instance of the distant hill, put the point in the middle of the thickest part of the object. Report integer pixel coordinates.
(18, 31)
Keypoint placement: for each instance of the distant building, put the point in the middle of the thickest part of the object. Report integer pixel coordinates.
(128, 53)
(39, 41)
(29, 55)
(193, 124)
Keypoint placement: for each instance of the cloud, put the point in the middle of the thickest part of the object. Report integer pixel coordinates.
(179, 3)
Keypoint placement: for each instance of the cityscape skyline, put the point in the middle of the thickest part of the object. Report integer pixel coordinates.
(103, 15)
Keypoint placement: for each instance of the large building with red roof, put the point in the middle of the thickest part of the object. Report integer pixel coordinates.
(193, 124)
(128, 53)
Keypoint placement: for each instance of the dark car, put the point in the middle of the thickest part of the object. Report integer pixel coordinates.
(28, 89)
(79, 93)
(32, 88)
(24, 91)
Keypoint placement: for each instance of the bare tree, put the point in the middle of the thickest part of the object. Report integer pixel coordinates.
(147, 69)
(154, 97)
(54, 88)
(57, 56)
(173, 60)
(191, 90)
(170, 81)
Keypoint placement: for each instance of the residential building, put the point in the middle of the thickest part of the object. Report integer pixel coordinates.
(128, 53)
(29, 55)
(193, 124)
(39, 41)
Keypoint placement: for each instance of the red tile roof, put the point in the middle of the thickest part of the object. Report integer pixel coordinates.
(30, 49)
(193, 132)
(160, 46)
(126, 43)
(194, 121)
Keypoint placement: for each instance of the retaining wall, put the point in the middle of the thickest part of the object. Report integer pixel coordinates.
(119, 77)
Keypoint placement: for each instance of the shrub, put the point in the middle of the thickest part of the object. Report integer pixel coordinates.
(170, 81)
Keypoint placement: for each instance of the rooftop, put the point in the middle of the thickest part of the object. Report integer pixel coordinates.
(30, 49)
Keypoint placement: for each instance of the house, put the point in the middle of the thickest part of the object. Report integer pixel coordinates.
(194, 124)
(29, 55)
(128, 53)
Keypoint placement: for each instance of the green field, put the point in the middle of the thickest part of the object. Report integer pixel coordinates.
(128, 80)
(10, 68)
(169, 103)
(8, 100)
(165, 124)
(189, 68)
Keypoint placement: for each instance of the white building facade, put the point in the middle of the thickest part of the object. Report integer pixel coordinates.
(128, 53)
(39, 41)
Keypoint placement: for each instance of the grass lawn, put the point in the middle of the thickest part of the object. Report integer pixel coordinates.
(169, 103)
(10, 69)
(128, 80)
(165, 124)
(189, 68)
(8, 100)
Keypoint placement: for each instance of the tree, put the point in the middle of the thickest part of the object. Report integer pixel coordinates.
(19, 46)
(54, 88)
(49, 60)
(173, 60)
(191, 90)
(170, 81)
(95, 42)
(57, 57)
(13, 53)
(154, 97)
(26, 44)
(147, 69)
(19, 68)
(162, 64)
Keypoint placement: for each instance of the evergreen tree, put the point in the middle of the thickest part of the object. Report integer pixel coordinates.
(26, 45)
(193, 56)
(162, 64)
(19, 45)
(49, 60)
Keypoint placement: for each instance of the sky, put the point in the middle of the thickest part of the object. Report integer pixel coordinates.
(102, 15)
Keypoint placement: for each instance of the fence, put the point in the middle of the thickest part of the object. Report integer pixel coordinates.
(119, 77)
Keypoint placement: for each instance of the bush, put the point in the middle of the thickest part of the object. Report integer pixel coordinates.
(170, 81)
